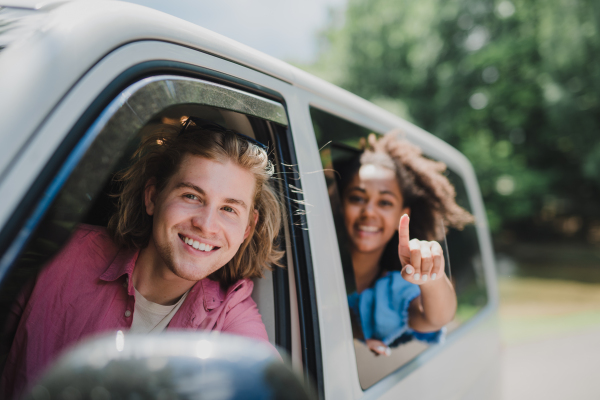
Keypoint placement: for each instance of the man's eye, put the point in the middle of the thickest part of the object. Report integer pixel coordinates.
(228, 209)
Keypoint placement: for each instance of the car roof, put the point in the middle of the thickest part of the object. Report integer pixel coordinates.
(40, 67)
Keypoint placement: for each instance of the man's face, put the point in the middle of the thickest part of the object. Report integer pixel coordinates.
(201, 217)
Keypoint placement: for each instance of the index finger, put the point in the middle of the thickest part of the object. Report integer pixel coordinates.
(403, 235)
(403, 230)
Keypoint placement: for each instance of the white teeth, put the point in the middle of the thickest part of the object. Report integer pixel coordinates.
(197, 245)
(368, 228)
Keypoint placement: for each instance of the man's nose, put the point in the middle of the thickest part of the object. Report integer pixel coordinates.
(206, 220)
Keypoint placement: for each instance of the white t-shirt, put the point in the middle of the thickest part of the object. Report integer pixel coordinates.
(149, 317)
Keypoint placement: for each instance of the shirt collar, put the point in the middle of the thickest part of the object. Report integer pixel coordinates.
(212, 293)
(123, 264)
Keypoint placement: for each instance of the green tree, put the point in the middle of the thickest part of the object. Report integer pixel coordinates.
(513, 85)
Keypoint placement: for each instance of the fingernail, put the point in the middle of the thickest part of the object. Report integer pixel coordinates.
(409, 270)
(424, 278)
(388, 351)
(416, 277)
(433, 276)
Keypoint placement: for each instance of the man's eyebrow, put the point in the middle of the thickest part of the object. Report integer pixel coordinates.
(190, 186)
(241, 203)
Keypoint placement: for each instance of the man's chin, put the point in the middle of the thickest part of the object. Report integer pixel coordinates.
(192, 276)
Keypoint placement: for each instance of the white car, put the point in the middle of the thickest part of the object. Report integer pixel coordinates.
(82, 81)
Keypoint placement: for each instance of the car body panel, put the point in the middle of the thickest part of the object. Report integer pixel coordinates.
(27, 163)
(51, 78)
(40, 70)
(329, 281)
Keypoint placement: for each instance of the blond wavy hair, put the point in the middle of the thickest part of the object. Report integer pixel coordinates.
(159, 156)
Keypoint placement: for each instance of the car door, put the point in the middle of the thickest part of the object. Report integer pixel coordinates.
(414, 370)
(91, 113)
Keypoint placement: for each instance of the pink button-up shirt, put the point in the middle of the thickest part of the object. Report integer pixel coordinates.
(87, 289)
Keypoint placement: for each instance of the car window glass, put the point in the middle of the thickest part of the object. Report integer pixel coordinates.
(82, 190)
(339, 141)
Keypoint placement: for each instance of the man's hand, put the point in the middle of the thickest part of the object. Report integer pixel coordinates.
(422, 261)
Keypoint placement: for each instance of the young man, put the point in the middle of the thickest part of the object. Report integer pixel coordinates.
(196, 220)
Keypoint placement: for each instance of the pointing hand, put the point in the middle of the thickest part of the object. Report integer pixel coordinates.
(422, 261)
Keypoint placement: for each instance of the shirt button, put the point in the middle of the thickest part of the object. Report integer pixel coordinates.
(128, 313)
(125, 284)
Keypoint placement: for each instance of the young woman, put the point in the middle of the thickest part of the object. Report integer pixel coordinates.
(396, 203)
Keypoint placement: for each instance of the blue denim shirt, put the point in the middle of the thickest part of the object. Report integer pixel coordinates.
(383, 310)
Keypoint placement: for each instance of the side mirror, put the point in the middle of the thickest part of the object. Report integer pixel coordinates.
(182, 365)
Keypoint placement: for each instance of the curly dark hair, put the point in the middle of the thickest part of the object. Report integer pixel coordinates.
(424, 187)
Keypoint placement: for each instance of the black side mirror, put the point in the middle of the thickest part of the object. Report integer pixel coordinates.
(183, 365)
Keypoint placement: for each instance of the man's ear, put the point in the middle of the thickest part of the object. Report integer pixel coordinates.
(150, 196)
(251, 224)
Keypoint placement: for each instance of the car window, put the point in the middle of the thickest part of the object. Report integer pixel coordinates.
(339, 141)
(81, 192)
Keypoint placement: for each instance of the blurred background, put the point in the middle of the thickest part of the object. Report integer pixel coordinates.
(515, 86)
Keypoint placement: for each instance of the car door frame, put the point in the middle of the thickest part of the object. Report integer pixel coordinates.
(410, 380)
(82, 105)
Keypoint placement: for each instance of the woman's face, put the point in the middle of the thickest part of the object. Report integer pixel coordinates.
(373, 205)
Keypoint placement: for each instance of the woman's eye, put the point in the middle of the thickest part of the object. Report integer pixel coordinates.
(356, 199)
(190, 196)
(385, 203)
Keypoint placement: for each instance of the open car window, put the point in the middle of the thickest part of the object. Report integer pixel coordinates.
(81, 192)
(339, 141)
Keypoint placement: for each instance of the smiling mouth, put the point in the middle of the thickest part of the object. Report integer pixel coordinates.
(198, 245)
(368, 229)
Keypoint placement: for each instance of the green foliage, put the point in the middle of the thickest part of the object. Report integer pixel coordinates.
(513, 85)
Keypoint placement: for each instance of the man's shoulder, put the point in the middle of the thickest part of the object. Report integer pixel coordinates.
(92, 234)
(94, 230)
(243, 285)
(236, 292)
(89, 242)
(82, 260)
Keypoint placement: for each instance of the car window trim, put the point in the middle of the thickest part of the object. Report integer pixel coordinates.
(190, 91)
